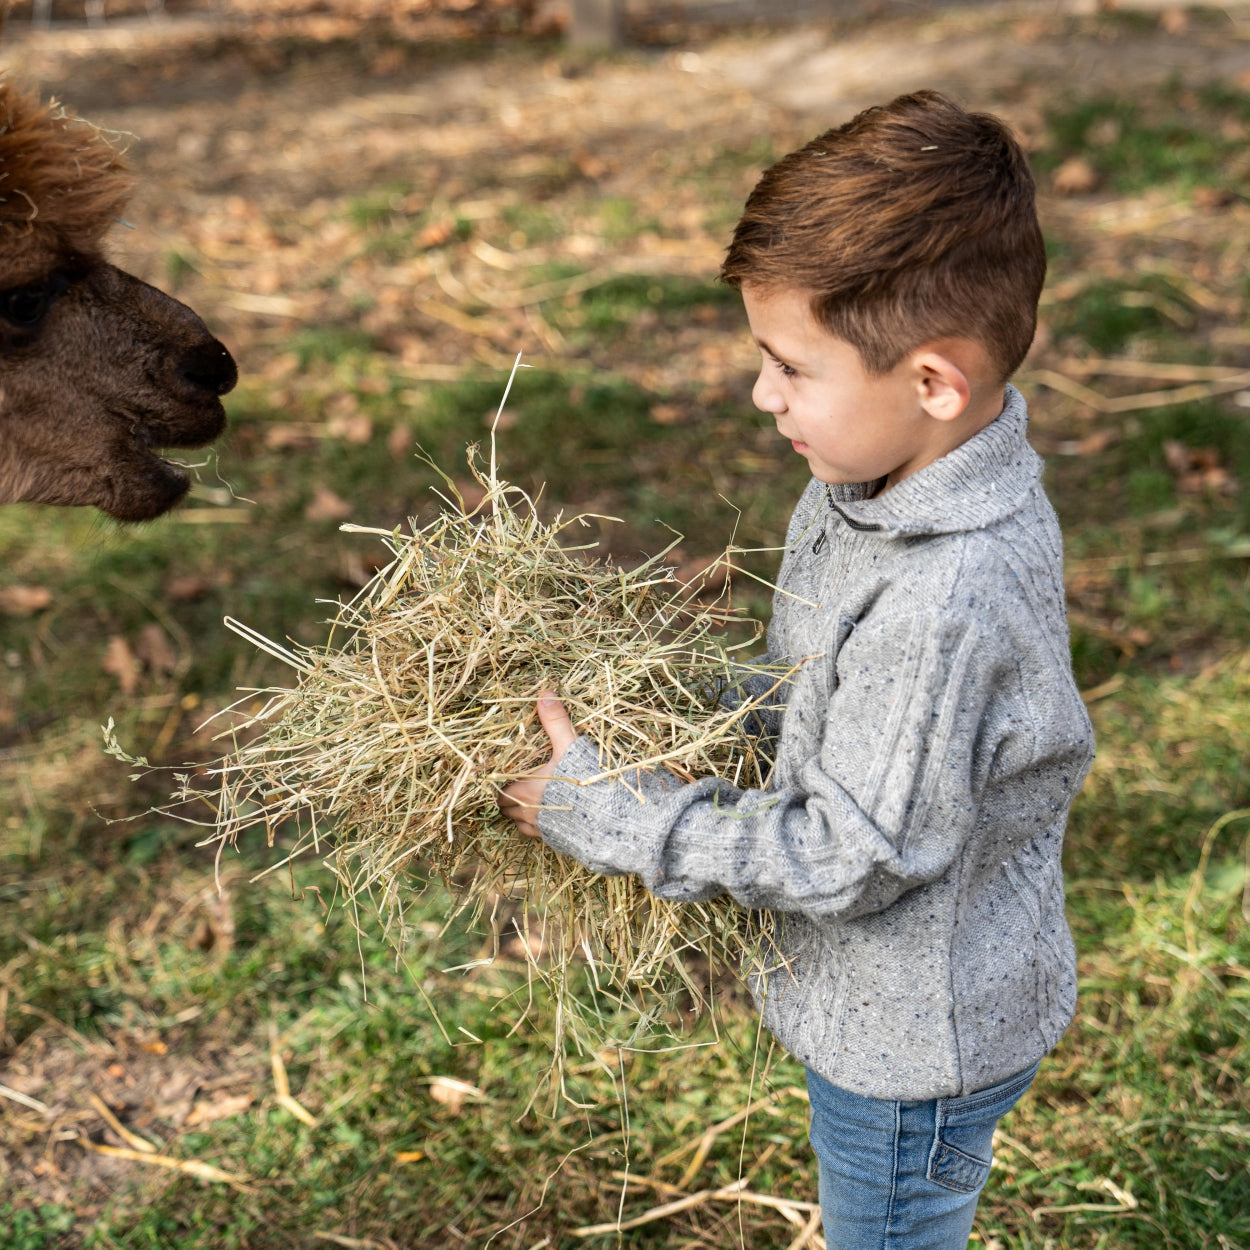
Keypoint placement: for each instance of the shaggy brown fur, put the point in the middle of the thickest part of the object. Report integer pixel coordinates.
(40, 147)
(97, 369)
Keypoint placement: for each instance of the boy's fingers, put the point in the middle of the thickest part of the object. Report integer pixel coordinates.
(555, 720)
(522, 795)
(520, 802)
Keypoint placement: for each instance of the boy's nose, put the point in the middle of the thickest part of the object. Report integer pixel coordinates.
(765, 396)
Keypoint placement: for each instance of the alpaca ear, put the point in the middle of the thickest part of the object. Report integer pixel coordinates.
(942, 384)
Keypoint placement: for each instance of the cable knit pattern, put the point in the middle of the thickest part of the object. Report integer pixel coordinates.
(927, 754)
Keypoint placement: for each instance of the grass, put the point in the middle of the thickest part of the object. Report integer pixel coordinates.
(122, 974)
(1108, 316)
(1182, 138)
(35, 1228)
(616, 304)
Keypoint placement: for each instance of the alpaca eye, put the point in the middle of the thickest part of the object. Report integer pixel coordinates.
(25, 306)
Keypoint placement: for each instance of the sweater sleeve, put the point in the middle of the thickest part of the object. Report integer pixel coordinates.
(886, 760)
(758, 681)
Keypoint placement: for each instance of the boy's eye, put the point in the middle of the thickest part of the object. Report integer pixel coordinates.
(787, 371)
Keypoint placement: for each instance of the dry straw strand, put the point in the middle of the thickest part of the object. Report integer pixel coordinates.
(386, 756)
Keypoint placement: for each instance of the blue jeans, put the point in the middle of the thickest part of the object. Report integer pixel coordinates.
(904, 1175)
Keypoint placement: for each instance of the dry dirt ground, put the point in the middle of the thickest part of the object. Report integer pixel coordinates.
(251, 131)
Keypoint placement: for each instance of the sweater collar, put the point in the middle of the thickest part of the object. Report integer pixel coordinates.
(977, 484)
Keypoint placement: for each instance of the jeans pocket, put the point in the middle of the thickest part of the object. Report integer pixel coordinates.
(953, 1169)
(963, 1136)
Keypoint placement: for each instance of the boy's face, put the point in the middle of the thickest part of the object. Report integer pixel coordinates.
(849, 425)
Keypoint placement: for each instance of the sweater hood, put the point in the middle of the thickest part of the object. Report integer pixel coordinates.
(972, 487)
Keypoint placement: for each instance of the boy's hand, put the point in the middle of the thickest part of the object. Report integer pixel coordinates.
(521, 800)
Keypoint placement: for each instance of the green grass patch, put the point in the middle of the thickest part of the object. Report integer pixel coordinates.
(1177, 138)
(35, 1228)
(533, 223)
(331, 344)
(1106, 317)
(377, 208)
(1146, 1090)
(1133, 477)
(619, 301)
(620, 219)
(1174, 754)
(1156, 557)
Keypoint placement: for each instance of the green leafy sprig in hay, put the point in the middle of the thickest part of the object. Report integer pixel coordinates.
(386, 757)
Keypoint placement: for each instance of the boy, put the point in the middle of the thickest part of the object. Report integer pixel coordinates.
(911, 833)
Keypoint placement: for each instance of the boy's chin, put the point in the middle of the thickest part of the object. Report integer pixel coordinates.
(833, 477)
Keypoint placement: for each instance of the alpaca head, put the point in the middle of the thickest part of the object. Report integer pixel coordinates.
(98, 370)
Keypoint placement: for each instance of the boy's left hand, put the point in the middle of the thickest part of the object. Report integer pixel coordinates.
(521, 800)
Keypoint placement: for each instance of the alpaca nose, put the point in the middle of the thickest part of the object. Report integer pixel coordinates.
(209, 367)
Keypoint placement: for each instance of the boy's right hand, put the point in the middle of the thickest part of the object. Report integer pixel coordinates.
(521, 800)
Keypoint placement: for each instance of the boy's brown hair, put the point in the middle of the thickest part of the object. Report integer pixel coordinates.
(914, 221)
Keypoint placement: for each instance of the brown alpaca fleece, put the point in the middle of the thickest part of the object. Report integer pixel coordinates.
(61, 176)
(97, 368)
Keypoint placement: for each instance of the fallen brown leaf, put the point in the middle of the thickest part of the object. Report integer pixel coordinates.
(352, 427)
(1174, 21)
(325, 505)
(1216, 481)
(399, 441)
(1197, 469)
(24, 600)
(453, 1093)
(154, 649)
(1212, 198)
(435, 234)
(667, 414)
(290, 434)
(1091, 444)
(1076, 176)
(187, 588)
(218, 1109)
(122, 663)
(590, 166)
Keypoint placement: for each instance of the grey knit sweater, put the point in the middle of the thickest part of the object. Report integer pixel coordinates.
(926, 759)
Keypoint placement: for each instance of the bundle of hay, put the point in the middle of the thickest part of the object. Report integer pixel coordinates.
(386, 756)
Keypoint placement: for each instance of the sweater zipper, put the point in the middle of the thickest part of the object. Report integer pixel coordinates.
(864, 527)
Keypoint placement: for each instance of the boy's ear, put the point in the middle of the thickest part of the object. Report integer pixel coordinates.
(942, 383)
